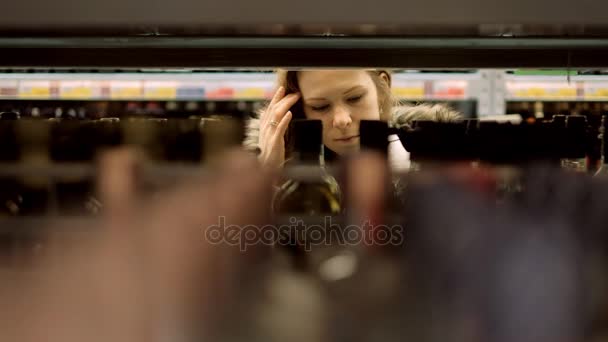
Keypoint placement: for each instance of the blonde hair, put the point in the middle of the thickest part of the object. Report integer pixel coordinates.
(386, 101)
(405, 115)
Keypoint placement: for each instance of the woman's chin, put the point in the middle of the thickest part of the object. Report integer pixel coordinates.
(345, 149)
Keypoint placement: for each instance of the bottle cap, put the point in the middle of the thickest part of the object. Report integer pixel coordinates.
(9, 116)
(308, 135)
(374, 135)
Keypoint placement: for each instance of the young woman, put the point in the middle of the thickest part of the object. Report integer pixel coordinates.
(340, 99)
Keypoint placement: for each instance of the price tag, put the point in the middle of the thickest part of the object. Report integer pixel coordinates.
(35, 90)
(224, 93)
(534, 92)
(125, 90)
(596, 90)
(78, 90)
(542, 90)
(250, 93)
(9, 89)
(409, 92)
(160, 90)
(450, 89)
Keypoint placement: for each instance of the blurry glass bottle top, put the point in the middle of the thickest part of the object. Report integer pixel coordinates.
(33, 138)
(143, 134)
(317, 195)
(10, 115)
(559, 120)
(109, 119)
(191, 106)
(220, 134)
(603, 170)
(374, 135)
(338, 267)
(171, 105)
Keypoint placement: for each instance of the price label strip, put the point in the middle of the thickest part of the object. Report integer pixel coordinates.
(39, 90)
(131, 90)
(79, 90)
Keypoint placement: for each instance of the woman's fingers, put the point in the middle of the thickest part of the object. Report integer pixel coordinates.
(282, 127)
(279, 110)
(278, 95)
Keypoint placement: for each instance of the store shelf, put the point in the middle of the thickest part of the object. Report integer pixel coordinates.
(556, 88)
(438, 87)
(205, 86)
(326, 49)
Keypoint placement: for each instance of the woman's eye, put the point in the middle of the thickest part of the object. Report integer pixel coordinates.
(354, 98)
(320, 108)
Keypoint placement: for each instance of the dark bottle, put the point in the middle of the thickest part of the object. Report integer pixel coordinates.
(108, 133)
(183, 140)
(594, 141)
(219, 135)
(174, 109)
(603, 171)
(576, 143)
(145, 135)
(385, 196)
(33, 138)
(10, 187)
(73, 141)
(374, 136)
(192, 109)
(10, 116)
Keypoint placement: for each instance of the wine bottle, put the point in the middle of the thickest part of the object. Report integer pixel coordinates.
(382, 196)
(33, 139)
(315, 195)
(183, 140)
(320, 196)
(144, 134)
(10, 196)
(219, 135)
(576, 139)
(603, 171)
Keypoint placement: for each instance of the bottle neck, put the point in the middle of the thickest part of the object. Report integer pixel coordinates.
(308, 157)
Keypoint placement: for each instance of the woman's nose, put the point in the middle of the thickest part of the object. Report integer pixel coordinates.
(342, 118)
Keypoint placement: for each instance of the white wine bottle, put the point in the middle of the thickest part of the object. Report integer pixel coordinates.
(319, 193)
(311, 194)
(603, 170)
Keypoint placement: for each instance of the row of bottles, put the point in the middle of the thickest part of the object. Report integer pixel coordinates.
(547, 109)
(100, 109)
(27, 145)
(79, 140)
(572, 137)
(568, 140)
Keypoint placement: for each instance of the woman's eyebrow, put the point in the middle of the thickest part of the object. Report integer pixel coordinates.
(315, 99)
(353, 88)
(345, 92)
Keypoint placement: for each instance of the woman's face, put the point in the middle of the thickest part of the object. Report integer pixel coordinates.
(340, 99)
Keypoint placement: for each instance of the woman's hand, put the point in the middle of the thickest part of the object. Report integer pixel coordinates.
(273, 124)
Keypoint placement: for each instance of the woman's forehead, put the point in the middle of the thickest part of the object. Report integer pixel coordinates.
(316, 83)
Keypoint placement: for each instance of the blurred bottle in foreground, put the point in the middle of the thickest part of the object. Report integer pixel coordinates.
(318, 195)
(603, 170)
(313, 195)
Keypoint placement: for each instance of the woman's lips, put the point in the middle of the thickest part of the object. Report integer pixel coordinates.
(352, 138)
